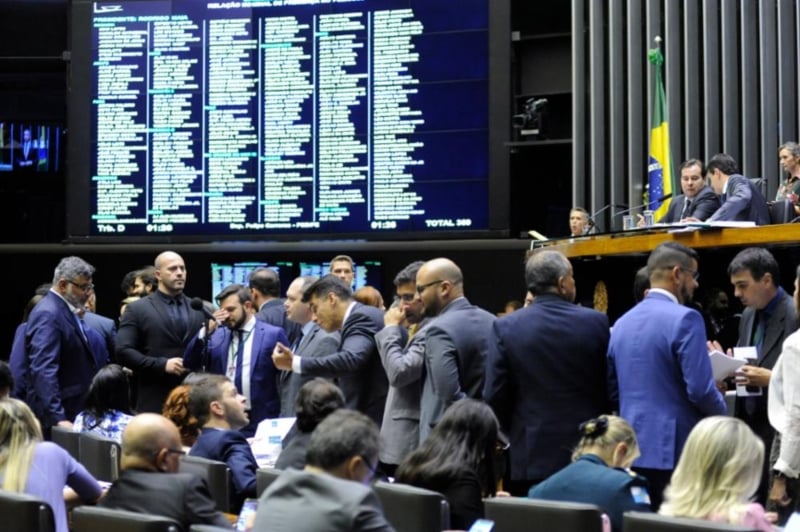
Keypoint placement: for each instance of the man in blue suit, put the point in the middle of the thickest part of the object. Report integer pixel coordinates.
(356, 365)
(219, 409)
(545, 372)
(59, 358)
(659, 367)
(741, 199)
(250, 367)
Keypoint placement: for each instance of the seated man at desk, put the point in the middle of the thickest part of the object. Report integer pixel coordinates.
(697, 202)
(741, 199)
(578, 221)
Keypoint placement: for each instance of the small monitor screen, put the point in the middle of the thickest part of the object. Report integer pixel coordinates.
(30, 147)
(223, 275)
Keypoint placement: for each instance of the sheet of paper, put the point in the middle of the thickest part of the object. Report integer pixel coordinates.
(722, 365)
(749, 355)
(266, 444)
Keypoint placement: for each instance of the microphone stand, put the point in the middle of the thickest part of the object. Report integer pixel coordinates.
(643, 205)
(593, 229)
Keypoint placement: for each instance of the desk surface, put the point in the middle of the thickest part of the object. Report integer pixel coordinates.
(645, 240)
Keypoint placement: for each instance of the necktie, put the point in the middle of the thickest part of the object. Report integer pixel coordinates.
(237, 379)
(296, 343)
(177, 317)
(758, 333)
(686, 205)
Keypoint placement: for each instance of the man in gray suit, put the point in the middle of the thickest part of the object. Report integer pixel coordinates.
(332, 493)
(456, 341)
(312, 341)
(403, 356)
(768, 318)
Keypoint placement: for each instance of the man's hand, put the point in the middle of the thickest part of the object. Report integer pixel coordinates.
(65, 423)
(282, 357)
(175, 366)
(753, 376)
(778, 492)
(394, 316)
(713, 345)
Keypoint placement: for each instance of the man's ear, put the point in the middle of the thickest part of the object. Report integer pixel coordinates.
(215, 407)
(352, 468)
(161, 460)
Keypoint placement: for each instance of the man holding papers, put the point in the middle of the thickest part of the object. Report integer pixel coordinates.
(659, 367)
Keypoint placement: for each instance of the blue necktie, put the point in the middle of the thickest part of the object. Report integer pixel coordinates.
(237, 378)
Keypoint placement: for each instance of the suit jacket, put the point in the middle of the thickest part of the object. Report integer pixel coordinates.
(703, 205)
(106, 327)
(403, 365)
(456, 344)
(59, 361)
(545, 375)
(274, 313)
(356, 365)
(660, 371)
(145, 340)
(265, 403)
(18, 363)
(231, 447)
(315, 343)
(742, 202)
(309, 502)
(181, 496)
(782, 323)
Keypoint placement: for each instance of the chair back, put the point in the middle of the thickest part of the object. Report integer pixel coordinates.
(96, 519)
(99, 455)
(68, 439)
(511, 514)
(412, 509)
(25, 513)
(208, 528)
(781, 212)
(646, 522)
(264, 477)
(218, 477)
(760, 183)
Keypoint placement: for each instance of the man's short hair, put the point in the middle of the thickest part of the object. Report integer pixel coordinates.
(581, 210)
(757, 261)
(724, 163)
(266, 281)
(315, 401)
(148, 277)
(408, 274)
(239, 289)
(206, 390)
(341, 258)
(694, 162)
(325, 285)
(641, 283)
(340, 436)
(71, 268)
(669, 255)
(543, 269)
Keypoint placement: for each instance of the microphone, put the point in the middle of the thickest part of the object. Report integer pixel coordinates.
(592, 224)
(197, 304)
(635, 207)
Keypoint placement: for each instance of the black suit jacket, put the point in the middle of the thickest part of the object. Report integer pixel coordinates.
(145, 340)
(356, 365)
(704, 204)
(180, 496)
(274, 313)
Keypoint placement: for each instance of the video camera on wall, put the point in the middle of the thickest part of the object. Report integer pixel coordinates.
(531, 122)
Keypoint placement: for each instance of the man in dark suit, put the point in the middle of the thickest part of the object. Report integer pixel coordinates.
(219, 409)
(698, 201)
(356, 365)
(545, 373)
(768, 319)
(149, 482)
(741, 199)
(658, 366)
(312, 341)
(154, 332)
(332, 493)
(265, 288)
(60, 359)
(456, 342)
(242, 351)
(106, 327)
(26, 155)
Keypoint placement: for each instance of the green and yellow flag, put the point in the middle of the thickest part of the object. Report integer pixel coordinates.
(659, 168)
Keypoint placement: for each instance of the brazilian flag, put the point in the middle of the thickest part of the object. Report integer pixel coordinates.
(659, 168)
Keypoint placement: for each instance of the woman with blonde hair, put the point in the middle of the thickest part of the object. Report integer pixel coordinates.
(42, 469)
(599, 472)
(718, 472)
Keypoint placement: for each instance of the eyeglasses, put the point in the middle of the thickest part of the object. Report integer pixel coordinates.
(693, 273)
(179, 452)
(421, 287)
(85, 287)
(373, 471)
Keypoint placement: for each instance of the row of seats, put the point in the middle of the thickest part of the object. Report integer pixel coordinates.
(420, 512)
(100, 456)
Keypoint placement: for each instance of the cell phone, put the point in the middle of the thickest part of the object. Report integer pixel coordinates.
(482, 525)
(247, 515)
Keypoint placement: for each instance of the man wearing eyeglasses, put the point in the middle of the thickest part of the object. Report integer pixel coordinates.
(456, 341)
(61, 355)
(150, 483)
(659, 368)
